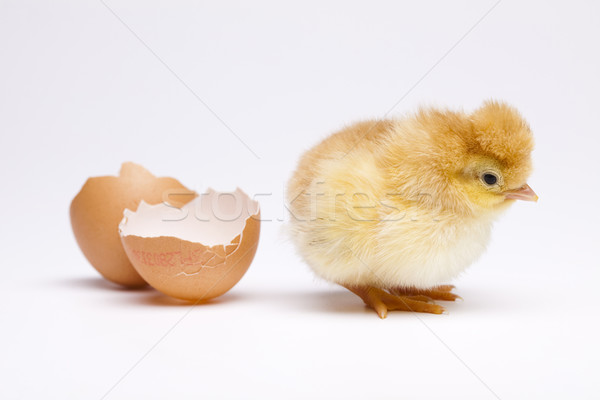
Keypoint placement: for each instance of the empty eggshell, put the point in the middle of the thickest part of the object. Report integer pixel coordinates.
(197, 252)
(98, 208)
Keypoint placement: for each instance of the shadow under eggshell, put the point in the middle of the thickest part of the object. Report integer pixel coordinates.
(98, 208)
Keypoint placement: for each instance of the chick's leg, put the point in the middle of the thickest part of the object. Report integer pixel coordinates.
(442, 292)
(382, 301)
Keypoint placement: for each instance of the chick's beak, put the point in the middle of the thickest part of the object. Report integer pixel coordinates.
(523, 193)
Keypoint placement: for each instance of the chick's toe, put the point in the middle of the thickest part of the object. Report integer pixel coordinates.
(420, 297)
(382, 301)
(442, 292)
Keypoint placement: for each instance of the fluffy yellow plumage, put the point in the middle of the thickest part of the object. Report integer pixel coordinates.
(392, 209)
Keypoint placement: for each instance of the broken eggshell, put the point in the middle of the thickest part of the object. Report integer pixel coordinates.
(197, 252)
(98, 208)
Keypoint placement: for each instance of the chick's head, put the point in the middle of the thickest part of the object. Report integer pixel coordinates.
(488, 158)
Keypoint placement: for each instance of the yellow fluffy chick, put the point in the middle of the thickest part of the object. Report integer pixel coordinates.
(392, 209)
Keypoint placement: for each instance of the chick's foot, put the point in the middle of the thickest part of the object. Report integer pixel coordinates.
(382, 301)
(442, 292)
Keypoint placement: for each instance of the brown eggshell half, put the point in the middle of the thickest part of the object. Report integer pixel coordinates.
(98, 208)
(189, 269)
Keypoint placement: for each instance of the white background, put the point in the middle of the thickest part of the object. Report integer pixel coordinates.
(80, 93)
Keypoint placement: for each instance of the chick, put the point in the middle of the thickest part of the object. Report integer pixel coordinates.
(393, 209)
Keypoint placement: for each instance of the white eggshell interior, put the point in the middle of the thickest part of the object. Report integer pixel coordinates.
(212, 218)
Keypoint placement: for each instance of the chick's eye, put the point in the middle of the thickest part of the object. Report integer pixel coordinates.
(490, 179)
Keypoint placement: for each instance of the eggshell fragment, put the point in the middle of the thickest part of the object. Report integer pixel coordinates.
(196, 253)
(98, 208)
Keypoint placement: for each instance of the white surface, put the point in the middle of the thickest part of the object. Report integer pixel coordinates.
(79, 94)
(211, 218)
